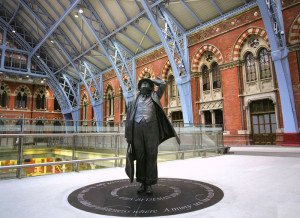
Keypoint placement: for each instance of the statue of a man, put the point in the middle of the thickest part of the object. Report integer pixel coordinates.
(147, 126)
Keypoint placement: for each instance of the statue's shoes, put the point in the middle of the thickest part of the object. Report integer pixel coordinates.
(141, 189)
(149, 190)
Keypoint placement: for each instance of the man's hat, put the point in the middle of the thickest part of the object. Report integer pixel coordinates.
(146, 80)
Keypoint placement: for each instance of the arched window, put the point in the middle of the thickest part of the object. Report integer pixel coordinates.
(3, 97)
(84, 108)
(250, 67)
(205, 78)
(172, 86)
(56, 105)
(264, 64)
(110, 102)
(40, 100)
(216, 76)
(21, 99)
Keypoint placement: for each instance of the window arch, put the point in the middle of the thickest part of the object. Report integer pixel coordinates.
(40, 100)
(3, 97)
(110, 101)
(264, 64)
(205, 78)
(172, 87)
(21, 99)
(216, 74)
(250, 67)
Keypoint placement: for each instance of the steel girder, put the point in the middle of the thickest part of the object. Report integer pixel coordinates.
(273, 21)
(45, 20)
(114, 52)
(177, 51)
(89, 82)
(28, 46)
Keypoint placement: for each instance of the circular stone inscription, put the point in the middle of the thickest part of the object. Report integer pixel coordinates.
(170, 196)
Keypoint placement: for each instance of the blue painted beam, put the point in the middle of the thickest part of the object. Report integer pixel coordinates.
(124, 12)
(191, 11)
(23, 73)
(54, 27)
(217, 7)
(14, 14)
(141, 32)
(79, 56)
(33, 14)
(271, 16)
(109, 14)
(99, 62)
(132, 41)
(183, 82)
(127, 94)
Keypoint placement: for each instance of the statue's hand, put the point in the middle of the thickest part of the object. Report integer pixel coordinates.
(158, 81)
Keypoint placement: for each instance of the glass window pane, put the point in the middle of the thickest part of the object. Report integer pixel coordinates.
(267, 128)
(267, 118)
(264, 64)
(255, 120)
(250, 67)
(273, 119)
(255, 129)
(261, 119)
(261, 128)
(274, 128)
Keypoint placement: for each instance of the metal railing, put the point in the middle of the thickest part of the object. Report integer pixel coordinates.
(68, 152)
(216, 150)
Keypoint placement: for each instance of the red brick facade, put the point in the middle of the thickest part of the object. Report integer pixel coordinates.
(225, 41)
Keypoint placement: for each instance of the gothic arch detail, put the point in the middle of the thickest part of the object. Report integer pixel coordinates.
(38, 91)
(84, 93)
(26, 89)
(204, 48)
(294, 33)
(6, 88)
(166, 67)
(109, 84)
(242, 38)
(145, 71)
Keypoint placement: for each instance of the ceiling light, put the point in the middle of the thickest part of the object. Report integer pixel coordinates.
(42, 81)
(80, 10)
(27, 76)
(52, 41)
(76, 15)
(13, 31)
(38, 56)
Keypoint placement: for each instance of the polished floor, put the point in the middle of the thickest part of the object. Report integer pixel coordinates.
(256, 181)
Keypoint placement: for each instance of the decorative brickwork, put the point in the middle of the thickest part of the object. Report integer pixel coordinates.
(166, 68)
(239, 43)
(225, 26)
(84, 93)
(145, 71)
(204, 48)
(26, 89)
(6, 88)
(294, 32)
(158, 54)
(109, 84)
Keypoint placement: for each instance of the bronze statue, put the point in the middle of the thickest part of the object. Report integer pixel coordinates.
(147, 126)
